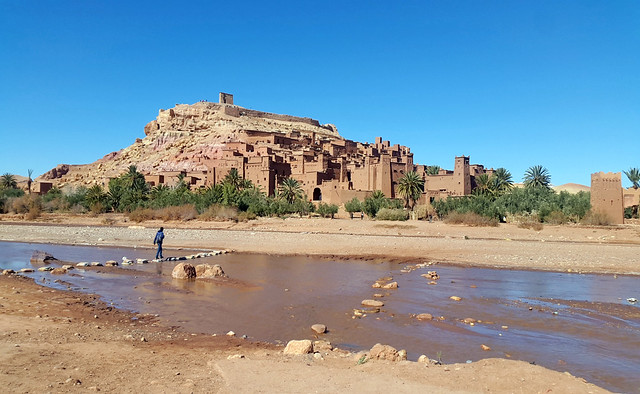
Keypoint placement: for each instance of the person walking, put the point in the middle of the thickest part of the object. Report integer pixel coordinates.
(158, 241)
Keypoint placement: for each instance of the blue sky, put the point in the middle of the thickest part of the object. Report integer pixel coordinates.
(510, 83)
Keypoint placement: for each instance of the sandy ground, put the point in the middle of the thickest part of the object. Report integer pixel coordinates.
(58, 341)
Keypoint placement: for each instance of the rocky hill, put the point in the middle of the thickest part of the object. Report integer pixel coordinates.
(180, 137)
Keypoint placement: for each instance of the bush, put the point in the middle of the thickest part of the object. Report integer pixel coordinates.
(182, 212)
(556, 217)
(141, 214)
(246, 216)
(221, 213)
(596, 219)
(423, 212)
(327, 210)
(531, 224)
(471, 219)
(392, 214)
(354, 205)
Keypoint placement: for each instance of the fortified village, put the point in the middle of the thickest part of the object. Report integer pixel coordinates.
(204, 141)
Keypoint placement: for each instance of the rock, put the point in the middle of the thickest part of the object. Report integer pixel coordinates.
(209, 271)
(67, 267)
(386, 352)
(127, 262)
(392, 285)
(41, 257)
(319, 328)
(111, 263)
(58, 271)
(299, 347)
(322, 346)
(96, 264)
(424, 316)
(455, 298)
(26, 270)
(377, 295)
(142, 261)
(485, 347)
(184, 271)
(231, 334)
(470, 320)
(423, 359)
(45, 269)
(235, 357)
(376, 285)
(8, 272)
(82, 264)
(372, 303)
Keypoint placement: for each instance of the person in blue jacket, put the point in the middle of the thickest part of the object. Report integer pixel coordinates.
(158, 241)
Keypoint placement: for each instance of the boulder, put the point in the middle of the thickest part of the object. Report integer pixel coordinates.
(424, 316)
(455, 298)
(58, 271)
(209, 271)
(67, 267)
(319, 328)
(26, 270)
(96, 264)
(392, 285)
(423, 359)
(372, 303)
(142, 261)
(470, 320)
(184, 271)
(8, 272)
(47, 268)
(299, 347)
(386, 352)
(41, 257)
(111, 263)
(82, 264)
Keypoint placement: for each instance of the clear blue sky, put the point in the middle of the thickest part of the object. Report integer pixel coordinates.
(510, 83)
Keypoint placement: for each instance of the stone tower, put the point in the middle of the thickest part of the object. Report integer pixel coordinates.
(606, 195)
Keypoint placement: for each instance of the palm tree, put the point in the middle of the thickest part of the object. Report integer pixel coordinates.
(290, 190)
(29, 180)
(537, 176)
(432, 170)
(502, 180)
(135, 180)
(410, 186)
(233, 178)
(9, 181)
(483, 185)
(634, 177)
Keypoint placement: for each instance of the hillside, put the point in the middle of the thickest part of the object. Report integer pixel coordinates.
(180, 137)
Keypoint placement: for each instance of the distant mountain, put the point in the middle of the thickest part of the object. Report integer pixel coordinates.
(572, 188)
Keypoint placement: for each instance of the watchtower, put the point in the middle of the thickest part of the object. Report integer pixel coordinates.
(606, 195)
(226, 98)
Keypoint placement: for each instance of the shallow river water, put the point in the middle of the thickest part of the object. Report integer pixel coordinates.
(567, 322)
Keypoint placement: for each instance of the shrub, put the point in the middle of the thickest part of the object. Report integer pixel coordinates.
(596, 218)
(471, 219)
(141, 214)
(531, 224)
(327, 210)
(182, 212)
(556, 217)
(246, 216)
(217, 212)
(423, 212)
(354, 205)
(392, 214)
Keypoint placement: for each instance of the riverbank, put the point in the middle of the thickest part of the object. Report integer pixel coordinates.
(61, 341)
(604, 250)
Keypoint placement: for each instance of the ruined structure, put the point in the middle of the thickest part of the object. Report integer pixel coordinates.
(202, 142)
(607, 196)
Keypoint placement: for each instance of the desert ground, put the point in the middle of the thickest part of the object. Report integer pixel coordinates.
(61, 341)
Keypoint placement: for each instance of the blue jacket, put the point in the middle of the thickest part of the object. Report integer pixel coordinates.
(159, 238)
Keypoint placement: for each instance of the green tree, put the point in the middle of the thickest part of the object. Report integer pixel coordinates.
(233, 179)
(410, 187)
(537, 177)
(353, 205)
(483, 185)
(432, 170)
(290, 190)
(634, 177)
(502, 180)
(8, 181)
(374, 202)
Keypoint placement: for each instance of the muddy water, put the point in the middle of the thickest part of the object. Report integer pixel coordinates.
(567, 322)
